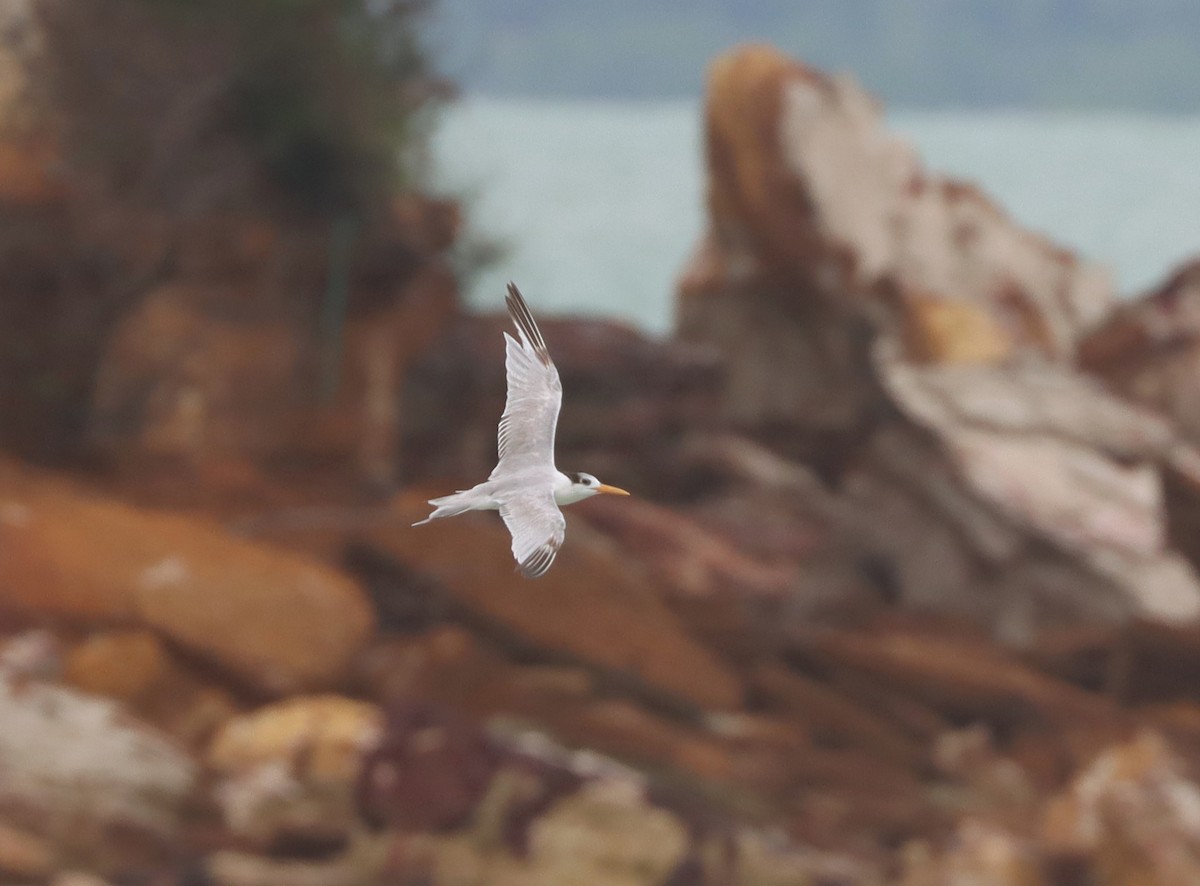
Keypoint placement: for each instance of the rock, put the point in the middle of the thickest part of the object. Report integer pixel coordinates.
(24, 856)
(682, 556)
(962, 674)
(362, 862)
(429, 769)
(626, 399)
(824, 229)
(1040, 453)
(33, 653)
(630, 634)
(981, 854)
(66, 555)
(136, 668)
(202, 371)
(915, 349)
(1147, 349)
(627, 732)
(1133, 813)
(115, 796)
(827, 714)
(290, 771)
(322, 737)
(78, 878)
(941, 331)
(27, 172)
(605, 834)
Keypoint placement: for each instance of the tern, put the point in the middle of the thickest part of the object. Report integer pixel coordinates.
(525, 486)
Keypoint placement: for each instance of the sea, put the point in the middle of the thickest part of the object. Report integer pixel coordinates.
(593, 207)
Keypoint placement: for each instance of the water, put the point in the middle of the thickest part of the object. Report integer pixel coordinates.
(600, 203)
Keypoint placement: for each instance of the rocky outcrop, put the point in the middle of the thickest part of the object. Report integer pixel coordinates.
(904, 595)
(807, 186)
(866, 307)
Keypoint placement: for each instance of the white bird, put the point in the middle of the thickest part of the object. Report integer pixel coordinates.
(525, 486)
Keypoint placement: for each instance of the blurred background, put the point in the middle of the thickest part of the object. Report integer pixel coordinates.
(887, 314)
(1089, 96)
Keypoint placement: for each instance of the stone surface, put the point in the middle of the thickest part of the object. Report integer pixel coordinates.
(322, 736)
(123, 778)
(1038, 455)
(1135, 812)
(1147, 349)
(823, 226)
(24, 856)
(910, 346)
(136, 668)
(289, 771)
(65, 554)
(629, 632)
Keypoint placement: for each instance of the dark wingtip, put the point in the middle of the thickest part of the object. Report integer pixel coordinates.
(539, 562)
(518, 309)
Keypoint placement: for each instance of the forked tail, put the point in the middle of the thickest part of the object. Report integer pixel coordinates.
(450, 505)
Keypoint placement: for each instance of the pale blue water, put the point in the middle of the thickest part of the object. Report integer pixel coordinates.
(601, 203)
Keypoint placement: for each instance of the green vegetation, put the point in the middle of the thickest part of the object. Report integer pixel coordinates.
(915, 53)
(314, 105)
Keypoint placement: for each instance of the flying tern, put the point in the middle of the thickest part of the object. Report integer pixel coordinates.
(525, 486)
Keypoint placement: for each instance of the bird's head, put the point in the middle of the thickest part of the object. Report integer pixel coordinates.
(585, 486)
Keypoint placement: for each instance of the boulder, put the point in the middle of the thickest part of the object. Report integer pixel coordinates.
(126, 780)
(136, 668)
(289, 771)
(275, 620)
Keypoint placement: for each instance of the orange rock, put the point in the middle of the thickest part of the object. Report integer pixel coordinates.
(322, 737)
(127, 665)
(590, 606)
(946, 331)
(24, 855)
(274, 619)
(136, 667)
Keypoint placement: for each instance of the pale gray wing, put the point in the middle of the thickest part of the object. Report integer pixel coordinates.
(537, 527)
(526, 435)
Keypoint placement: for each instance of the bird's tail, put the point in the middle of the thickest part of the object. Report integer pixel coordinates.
(450, 505)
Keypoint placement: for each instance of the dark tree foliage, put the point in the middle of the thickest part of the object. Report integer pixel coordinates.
(320, 106)
(172, 122)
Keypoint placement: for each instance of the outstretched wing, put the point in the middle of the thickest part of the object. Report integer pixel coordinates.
(526, 436)
(537, 527)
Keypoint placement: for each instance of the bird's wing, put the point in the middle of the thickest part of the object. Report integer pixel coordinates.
(526, 436)
(537, 527)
